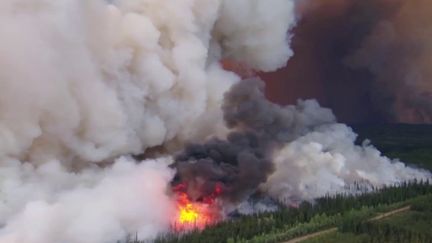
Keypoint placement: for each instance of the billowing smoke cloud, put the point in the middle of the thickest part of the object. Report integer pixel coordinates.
(244, 160)
(326, 162)
(91, 80)
(50, 204)
(397, 52)
(84, 82)
(87, 85)
(293, 153)
(371, 54)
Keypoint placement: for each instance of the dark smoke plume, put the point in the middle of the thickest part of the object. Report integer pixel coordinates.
(398, 54)
(244, 160)
(367, 60)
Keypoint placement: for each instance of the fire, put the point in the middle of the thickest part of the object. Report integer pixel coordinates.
(188, 214)
(192, 214)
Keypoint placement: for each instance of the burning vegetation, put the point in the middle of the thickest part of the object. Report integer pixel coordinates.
(195, 214)
(88, 85)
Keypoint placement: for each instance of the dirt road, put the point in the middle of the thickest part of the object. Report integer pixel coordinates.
(381, 216)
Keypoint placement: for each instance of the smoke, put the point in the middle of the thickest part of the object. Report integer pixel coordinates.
(326, 161)
(397, 52)
(85, 82)
(292, 153)
(255, 32)
(243, 161)
(49, 204)
(91, 80)
(86, 86)
(367, 60)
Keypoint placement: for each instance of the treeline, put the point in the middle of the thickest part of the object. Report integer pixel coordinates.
(288, 223)
(395, 230)
(379, 233)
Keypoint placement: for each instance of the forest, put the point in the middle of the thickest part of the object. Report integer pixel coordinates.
(346, 217)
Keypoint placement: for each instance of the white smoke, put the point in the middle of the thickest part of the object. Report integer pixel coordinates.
(92, 81)
(84, 82)
(326, 161)
(49, 204)
(243, 25)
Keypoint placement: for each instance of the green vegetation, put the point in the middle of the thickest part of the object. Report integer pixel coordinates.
(350, 214)
(289, 223)
(409, 226)
(338, 237)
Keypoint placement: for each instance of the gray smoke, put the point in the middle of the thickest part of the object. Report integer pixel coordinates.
(244, 160)
(83, 83)
(291, 153)
(326, 161)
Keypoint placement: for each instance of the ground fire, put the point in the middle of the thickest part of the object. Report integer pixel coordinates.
(197, 214)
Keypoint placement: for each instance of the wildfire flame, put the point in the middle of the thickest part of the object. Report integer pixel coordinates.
(192, 214)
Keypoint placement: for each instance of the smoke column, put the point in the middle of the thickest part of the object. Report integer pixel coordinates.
(397, 52)
(244, 160)
(86, 86)
(292, 153)
(85, 82)
(367, 60)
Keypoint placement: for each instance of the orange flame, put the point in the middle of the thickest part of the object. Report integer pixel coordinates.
(191, 214)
